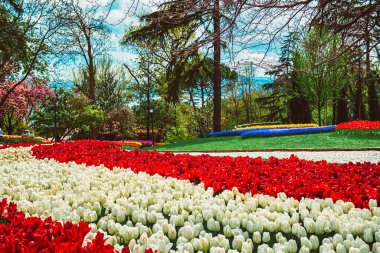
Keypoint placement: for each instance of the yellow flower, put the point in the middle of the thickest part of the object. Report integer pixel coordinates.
(277, 126)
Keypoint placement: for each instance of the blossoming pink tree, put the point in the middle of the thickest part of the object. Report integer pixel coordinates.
(22, 100)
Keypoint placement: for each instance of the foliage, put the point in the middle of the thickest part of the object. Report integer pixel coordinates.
(119, 124)
(65, 114)
(29, 95)
(319, 64)
(201, 121)
(111, 84)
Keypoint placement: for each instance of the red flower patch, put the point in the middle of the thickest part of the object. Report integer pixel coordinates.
(32, 234)
(295, 177)
(359, 125)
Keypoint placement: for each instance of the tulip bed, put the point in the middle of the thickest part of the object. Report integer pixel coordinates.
(19, 233)
(359, 125)
(276, 126)
(179, 203)
(274, 130)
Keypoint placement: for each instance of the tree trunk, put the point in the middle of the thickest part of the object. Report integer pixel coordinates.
(341, 106)
(192, 100)
(333, 120)
(148, 116)
(92, 84)
(202, 95)
(9, 125)
(217, 117)
(2, 119)
(373, 100)
(359, 109)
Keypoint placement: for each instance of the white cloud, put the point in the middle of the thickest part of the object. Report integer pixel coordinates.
(261, 60)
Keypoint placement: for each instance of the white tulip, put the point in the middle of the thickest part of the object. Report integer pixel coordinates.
(304, 249)
(340, 248)
(364, 248)
(306, 243)
(237, 242)
(213, 225)
(214, 242)
(234, 223)
(225, 243)
(309, 225)
(112, 240)
(320, 227)
(124, 233)
(264, 249)
(367, 235)
(188, 247)
(217, 250)
(266, 237)
(291, 246)
(111, 227)
(347, 244)
(256, 237)
(172, 233)
(204, 244)
(377, 236)
(314, 242)
(376, 247)
(247, 247)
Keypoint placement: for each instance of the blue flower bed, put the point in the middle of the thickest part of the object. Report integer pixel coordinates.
(286, 131)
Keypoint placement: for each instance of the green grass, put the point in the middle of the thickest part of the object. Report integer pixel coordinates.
(331, 140)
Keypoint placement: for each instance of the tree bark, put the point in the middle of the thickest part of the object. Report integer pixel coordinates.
(148, 116)
(341, 106)
(359, 109)
(217, 117)
(2, 119)
(92, 84)
(373, 101)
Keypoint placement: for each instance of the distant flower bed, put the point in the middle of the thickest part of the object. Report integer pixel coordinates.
(131, 143)
(257, 124)
(278, 126)
(18, 138)
(270, 130)
(286, 131)
(160, 143)
(141, 143)
(359, 125)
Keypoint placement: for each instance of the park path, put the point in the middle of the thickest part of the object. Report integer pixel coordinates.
(329, 156)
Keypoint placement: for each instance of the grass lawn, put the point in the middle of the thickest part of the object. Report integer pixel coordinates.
(331, 140)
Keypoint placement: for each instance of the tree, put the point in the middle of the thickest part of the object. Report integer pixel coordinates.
(111, 80)
(65, 114)
(145, 85)
(319, 66)
(83, 36)
(27, 29)
(26, 97)
(120, 123)
(196, 15)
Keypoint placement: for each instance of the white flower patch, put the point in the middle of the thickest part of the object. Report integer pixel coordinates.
(171, 215)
